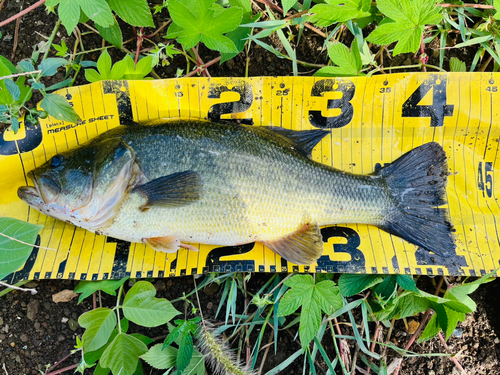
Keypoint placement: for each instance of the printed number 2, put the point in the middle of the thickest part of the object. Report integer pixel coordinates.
(438, 110)
(485, 179)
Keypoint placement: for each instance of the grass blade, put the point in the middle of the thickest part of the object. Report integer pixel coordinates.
(283, 365)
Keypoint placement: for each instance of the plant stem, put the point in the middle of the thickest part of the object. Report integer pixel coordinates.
(453, 359)
(32, 291)
(202, 68)
(63, 370)
(51, 39)
(478, 6)
(118, 308)
(22, 13)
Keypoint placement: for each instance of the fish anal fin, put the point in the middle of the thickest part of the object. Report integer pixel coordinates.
(175, 190)
(304, 246)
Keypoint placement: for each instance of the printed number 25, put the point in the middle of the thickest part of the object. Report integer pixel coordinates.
(438, 110)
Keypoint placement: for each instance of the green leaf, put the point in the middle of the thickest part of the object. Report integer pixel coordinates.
(287, 4)
(13, 253)
(99, 324)
(143, 68)
(185, 352)
(69, 13)
(62, 49)
(112, 34)
(457, 66)
(339, 11)
(98, 11)
(8, 64)
(351, 284)
(87, 288)
(92, 76)
(49, 66)
(324, 296)
(5, 96)
(238, 37)
(160, 358)
(431, 330)
(134, 12)
(122, 355)
(203, 21)
(243, 4)
(104, 64)
(405, 23)
(348, 61)
(13, 89)
(407, 283)
(196, 365)
(141, 307)
(58, 107)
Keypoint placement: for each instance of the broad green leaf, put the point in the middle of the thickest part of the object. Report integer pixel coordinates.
(141, 307)
(98, 11)
(92, 76)
(407, 283)
(49, 66)
(457, 66)
(287, 4)
(99, 324)
(326, 294)
(26, 92)
(69, 13)
(387, 287)
(339, 11)
(5, 97)
(351, 284)
(185, 352)
(57, 106)
(87, 288)
(160, 358)
(142, 69)
(203, 21)
(238, 37)
(122, 355)
(13, 89)
(405, 23)
(461, 292)
(13, 253)
(243, 4)
(25, 66)
(310, 320)
(134, 12)
(431, 330)
(8, 64)
(112, 34)
(196, 366)
(104, 64)
(348, 61)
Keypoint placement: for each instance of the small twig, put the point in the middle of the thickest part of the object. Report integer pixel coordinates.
(32, 291)
(63, 370)
(16, 35)
(20, 14)
(25, 243)
(2, 3)
(478, 6)
(202, 68)
(21, 74)
(59, 362)
(453, 359)
(3, 364)
(268, 346)
(90, 28)
(165, 24)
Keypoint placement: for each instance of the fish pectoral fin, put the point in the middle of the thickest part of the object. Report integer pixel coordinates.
(175, 190)
(167, 244)
(304, 246)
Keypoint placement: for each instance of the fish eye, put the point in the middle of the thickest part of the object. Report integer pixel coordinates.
(56, 161)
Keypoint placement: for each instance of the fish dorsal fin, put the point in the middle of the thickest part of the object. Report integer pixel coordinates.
(304, 140)
(301, 247)
(175, 190)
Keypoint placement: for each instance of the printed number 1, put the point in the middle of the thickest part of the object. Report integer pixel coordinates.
(485, 179)
(438, 110)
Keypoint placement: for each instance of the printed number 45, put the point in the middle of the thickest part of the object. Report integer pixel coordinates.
(485, 179)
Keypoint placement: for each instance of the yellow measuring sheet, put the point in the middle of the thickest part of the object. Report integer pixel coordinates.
(373, 121)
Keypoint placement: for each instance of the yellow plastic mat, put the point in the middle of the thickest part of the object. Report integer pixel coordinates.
(373, 121)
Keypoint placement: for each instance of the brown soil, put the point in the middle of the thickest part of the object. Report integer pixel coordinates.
(36, 332)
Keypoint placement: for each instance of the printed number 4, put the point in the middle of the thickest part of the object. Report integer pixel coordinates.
(485, 183)
(438, 110)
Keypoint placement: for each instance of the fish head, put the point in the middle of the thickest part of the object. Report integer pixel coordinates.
(84, 186)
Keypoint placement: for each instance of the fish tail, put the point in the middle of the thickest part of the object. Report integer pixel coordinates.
(417, 184)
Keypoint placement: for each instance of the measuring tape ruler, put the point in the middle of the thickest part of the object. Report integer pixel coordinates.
(373, 121)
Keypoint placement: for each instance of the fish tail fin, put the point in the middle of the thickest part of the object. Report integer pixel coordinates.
(417, 183)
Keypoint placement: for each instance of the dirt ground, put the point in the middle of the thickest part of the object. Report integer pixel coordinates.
(35, 332)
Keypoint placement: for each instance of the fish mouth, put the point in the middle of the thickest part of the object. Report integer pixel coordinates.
(30, 195)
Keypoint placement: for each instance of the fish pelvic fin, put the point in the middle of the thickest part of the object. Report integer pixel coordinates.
(175, 190)
(417, 183)
(301, 247)
(167, 244)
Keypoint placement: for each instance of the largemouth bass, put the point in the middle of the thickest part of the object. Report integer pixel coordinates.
(185, 182)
